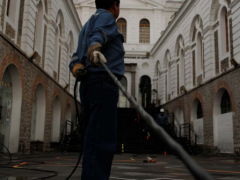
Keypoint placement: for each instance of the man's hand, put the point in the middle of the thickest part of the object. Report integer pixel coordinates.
(78, 71)
(94, 54)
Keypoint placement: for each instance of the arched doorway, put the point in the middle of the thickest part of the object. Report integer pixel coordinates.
(197, 118)
(145, 91)
(180, 119)
(68, 117)
(122, 102)
(10, 108)
(56, 121)
(38, 114)
(223, 122)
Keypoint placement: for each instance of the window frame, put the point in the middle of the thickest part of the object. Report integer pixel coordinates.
(143, 39)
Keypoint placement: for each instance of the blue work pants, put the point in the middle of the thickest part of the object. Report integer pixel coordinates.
(99, 96)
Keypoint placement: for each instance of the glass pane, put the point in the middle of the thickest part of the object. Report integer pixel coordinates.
(144, 21)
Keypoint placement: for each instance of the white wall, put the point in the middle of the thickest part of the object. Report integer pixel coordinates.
(182, 24)
(223, 132)
(198, 127)
(71, 24)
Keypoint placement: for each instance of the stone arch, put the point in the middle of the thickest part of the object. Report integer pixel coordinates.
(179, 45)
(223, 85)
(38, 80)
(39, 107)
(11, 91)
(222, 125)
(196, 96)
(197, 122)
(61, 23)
(12, 59)
(196, 25)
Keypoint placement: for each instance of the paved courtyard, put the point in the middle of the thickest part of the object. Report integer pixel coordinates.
(125, 166)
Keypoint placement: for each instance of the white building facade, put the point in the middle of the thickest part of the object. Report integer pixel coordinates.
(141, 23)
(186, 63)
(37, 42)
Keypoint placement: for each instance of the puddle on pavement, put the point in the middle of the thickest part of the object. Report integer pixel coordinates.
(16, 178)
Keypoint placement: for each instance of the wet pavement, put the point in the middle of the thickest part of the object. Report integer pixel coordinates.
(125, 167)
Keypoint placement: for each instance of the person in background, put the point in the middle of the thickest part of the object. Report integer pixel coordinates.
(162, 119)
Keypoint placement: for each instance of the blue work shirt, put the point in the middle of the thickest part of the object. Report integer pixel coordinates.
(101, 28)
(161, 120)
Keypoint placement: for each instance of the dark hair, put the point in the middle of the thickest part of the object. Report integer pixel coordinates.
(105, 4)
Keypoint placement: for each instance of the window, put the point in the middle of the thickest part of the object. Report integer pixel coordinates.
(223, 36)
(122, 26)
(226, 105)
(144, 34)
(226, 27)
(199, 111)
(39, 29)
(11, 10)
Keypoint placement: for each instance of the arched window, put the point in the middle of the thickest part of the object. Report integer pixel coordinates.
(169, 76)
(58, 49)
(69, 57)
(226, 105)
(199, 53)
(199, 111)
(145, 91)
(122, 26)
(224, 30)
(56, 53)
(11, 10)
(38, 38)
(144, 34)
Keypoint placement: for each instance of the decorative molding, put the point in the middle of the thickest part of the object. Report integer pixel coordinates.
(231, 38)
(178, 74)
(216, 52)
(225, 64)
(163, 72)
(193, 46)
(194, 68)
(4, 3)
(44, 46)
(52, 22)
(216, 25)
(186, 6)
(136, 57)
(199, 79)
(229, 13)
(234, 3)
(10, 31)
(20, 22)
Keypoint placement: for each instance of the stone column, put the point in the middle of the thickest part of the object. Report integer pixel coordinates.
(132, 69)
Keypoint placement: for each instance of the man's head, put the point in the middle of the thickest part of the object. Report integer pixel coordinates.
(162, 111)
(112, 6)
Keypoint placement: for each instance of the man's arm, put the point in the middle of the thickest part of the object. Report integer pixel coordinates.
(104, 29)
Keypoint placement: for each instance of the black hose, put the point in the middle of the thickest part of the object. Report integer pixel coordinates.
(82, 133)
(10, 156)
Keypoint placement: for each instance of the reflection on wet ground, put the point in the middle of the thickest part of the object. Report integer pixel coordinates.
(125, 167)
(15, 178)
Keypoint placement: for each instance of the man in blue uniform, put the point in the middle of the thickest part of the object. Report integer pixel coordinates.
(99, 39)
